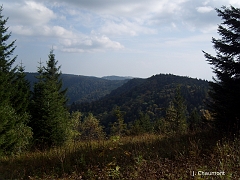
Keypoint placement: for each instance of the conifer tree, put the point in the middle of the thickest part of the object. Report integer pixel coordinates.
(38, 110)
(225, 88)
(14, 134)
(176, 113)
(7, 73)
(50, 121)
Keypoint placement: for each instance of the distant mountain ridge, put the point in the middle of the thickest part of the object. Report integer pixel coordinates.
(113, 77)
(84, 88)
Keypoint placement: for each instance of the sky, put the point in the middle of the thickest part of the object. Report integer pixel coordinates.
(137, 38)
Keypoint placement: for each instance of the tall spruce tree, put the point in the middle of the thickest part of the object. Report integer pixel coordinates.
(7, 73)
(49, 113)
(14, 134)
(225, 88)
(37, 110)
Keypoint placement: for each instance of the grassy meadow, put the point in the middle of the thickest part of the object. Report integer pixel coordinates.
(147, 156)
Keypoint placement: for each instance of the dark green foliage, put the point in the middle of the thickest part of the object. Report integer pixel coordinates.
(225, 90)
(141, 125)
(147, 96)
(6, 50)
(22, 88)
(48, 107)
(38, 109)
(6, 72)
(14, 134)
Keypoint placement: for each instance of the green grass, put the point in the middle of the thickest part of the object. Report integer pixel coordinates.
(141, 157)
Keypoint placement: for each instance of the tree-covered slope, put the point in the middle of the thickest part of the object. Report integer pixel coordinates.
(148, 96)
(84, 88)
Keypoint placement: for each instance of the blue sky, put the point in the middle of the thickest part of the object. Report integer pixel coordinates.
(136, 38)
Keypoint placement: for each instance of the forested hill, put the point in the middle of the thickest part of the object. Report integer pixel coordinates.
(147, 96)
(84, 88)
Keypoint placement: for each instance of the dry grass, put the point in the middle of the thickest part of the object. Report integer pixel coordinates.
(142, 157)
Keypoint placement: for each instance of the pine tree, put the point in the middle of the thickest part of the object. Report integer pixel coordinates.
(37, 110)
(14, 134)
(176, 113)
(7, 73)
(50, 121)
(225, 88)
(55, 100)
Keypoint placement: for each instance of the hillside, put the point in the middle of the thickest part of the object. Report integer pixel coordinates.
(84, 88)
(147, 96)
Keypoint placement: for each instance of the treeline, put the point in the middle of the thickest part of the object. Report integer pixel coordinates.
(148, 100)
(172, 119)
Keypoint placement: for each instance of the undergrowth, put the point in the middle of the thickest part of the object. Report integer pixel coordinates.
(141, 157)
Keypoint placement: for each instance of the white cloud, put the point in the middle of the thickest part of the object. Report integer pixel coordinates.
(43, 30)
(90, 43)
(35, 19)
(124, 8)
(69, 41)
(204, 9)
(112, 18)
(29, 13)
(57, 31)
(71, 22)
